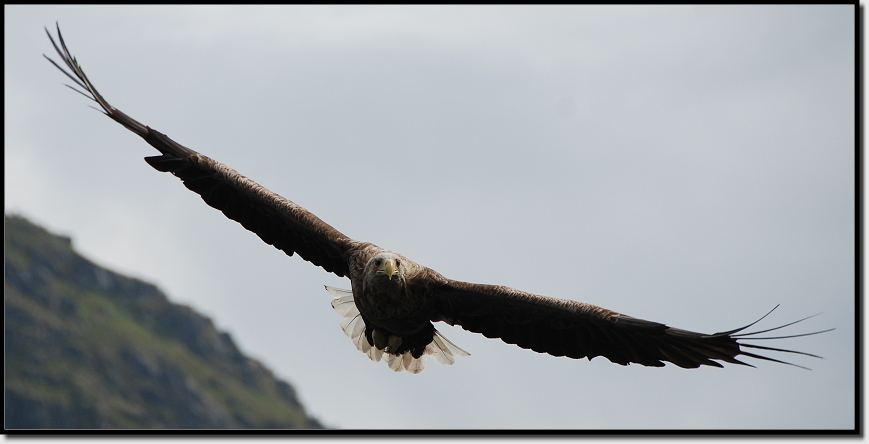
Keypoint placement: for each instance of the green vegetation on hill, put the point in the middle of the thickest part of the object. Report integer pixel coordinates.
(89, 348)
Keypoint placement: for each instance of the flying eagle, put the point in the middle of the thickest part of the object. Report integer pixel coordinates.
(394, 301)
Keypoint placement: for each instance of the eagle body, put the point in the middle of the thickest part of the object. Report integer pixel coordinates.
(394, 305)
(393, 301)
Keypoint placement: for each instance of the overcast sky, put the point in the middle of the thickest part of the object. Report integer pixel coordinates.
(688, 165)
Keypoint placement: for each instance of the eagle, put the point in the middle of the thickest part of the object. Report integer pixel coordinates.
(393, 302)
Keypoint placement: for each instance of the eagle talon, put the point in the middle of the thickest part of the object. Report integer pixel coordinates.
(393, 343)
(386, 342)
(381, 339)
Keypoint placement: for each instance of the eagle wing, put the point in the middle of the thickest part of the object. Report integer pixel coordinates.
(562, 327)
(276, 220)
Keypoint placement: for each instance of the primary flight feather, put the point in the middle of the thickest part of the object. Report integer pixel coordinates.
(389, 312)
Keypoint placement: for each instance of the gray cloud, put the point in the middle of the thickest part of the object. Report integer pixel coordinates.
(688, 165)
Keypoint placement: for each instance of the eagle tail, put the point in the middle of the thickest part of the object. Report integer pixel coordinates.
(440, 349)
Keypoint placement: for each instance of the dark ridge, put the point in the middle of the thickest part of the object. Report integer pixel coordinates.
(87, 348)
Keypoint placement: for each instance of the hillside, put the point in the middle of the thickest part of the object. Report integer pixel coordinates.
(89, 348)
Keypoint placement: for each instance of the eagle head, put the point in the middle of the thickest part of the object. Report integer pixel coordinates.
(385, 273)
(384, 265)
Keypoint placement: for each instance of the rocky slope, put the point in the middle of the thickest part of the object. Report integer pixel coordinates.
(89, 348)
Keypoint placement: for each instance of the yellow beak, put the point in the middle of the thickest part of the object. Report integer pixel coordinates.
(388, 267)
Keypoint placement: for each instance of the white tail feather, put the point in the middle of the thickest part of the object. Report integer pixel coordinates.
(415, 365)
(394, 363)
(441, 349)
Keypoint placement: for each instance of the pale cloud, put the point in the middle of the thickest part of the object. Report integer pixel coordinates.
(688, 165)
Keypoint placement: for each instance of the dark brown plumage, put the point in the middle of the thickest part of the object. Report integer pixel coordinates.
(393, 302)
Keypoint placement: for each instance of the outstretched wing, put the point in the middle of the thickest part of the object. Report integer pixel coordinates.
(276, 220)
(577, 330)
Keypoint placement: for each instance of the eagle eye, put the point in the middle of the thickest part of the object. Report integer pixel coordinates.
(377, 262)
(397, 262)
